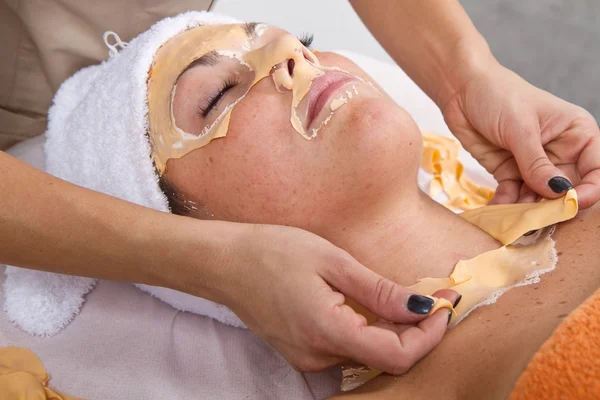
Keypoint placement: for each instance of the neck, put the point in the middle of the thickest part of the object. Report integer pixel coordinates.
(411, 238)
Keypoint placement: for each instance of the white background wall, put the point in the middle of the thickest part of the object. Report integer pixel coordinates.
(333, 22)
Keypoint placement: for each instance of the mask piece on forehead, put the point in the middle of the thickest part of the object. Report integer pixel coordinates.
(167, 139)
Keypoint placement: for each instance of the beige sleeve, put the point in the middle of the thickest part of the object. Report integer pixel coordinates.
(45, 42)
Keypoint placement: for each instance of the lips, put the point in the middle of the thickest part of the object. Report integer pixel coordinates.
(322, 90)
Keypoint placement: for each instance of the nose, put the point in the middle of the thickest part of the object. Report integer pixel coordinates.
(290, 66)
(294, 52)
(306, 56)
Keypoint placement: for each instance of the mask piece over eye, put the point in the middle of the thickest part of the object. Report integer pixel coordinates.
(166, 138)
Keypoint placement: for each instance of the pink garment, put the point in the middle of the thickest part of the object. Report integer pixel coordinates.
(128, 345)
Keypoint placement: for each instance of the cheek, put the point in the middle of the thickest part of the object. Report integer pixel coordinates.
(274, 164)
(377, 141)
(255, 173)
(263, 171)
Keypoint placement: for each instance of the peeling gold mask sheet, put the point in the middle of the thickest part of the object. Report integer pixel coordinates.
(256, 62)
(483, 279)
(441, 159)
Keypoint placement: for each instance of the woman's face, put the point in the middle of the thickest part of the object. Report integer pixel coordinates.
(264, 171)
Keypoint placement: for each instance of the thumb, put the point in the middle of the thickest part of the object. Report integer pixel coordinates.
(383, 297)
(535, 167)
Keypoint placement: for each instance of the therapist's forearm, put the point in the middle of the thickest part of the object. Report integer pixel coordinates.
(49, 224)
(434, 41)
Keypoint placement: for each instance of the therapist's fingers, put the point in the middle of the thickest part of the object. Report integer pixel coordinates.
(527, 195)
(381, 296)
(447, 294)
(588, 190)
(391, 352)
(588, 169)
(507, 192)
(536, 169)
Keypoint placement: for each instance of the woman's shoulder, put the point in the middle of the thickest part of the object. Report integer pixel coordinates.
(578, 237)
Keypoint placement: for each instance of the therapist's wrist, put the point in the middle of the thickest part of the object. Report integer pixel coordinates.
(193, 256)
(469, 58)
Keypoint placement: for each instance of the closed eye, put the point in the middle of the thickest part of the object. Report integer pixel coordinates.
(208, 105)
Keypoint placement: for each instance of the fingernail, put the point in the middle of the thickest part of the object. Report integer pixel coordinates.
(449, 316)
(458, 299)
(559, 184)
(420, 304)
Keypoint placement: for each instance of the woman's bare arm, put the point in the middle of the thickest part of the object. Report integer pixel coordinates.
(262, 272)
(434, 41)
(52, 225)
(508, 125)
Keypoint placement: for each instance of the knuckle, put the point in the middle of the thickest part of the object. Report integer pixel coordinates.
(528, 131)
(341, 264)
(400, 369)
(584, 115)
(385, 291)
(402, 365)
(537, 166)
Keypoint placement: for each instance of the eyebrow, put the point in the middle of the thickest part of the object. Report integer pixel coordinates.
(212, 58)
(208, 60)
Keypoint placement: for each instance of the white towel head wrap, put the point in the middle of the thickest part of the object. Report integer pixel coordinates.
(97, 126)
(97, 138)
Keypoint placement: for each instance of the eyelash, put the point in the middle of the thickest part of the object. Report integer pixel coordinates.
(212, 101)
(306, 39)
(209, 105)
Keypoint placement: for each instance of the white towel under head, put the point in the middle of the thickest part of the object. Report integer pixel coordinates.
(96, 138)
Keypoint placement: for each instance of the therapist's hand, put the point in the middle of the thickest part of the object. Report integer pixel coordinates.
(289, 292)
(525, 137)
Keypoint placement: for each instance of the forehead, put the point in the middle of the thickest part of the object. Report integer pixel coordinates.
(191, 44)
(180, 52)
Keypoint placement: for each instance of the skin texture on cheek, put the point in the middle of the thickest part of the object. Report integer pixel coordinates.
(277, 56)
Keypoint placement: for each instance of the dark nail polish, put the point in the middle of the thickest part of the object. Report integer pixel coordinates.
(458, 299)
(559, 184)
(449, 316)
(419, 304)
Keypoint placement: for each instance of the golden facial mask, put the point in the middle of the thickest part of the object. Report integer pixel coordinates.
(440, 158)
(483, 279)
(167, 139)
